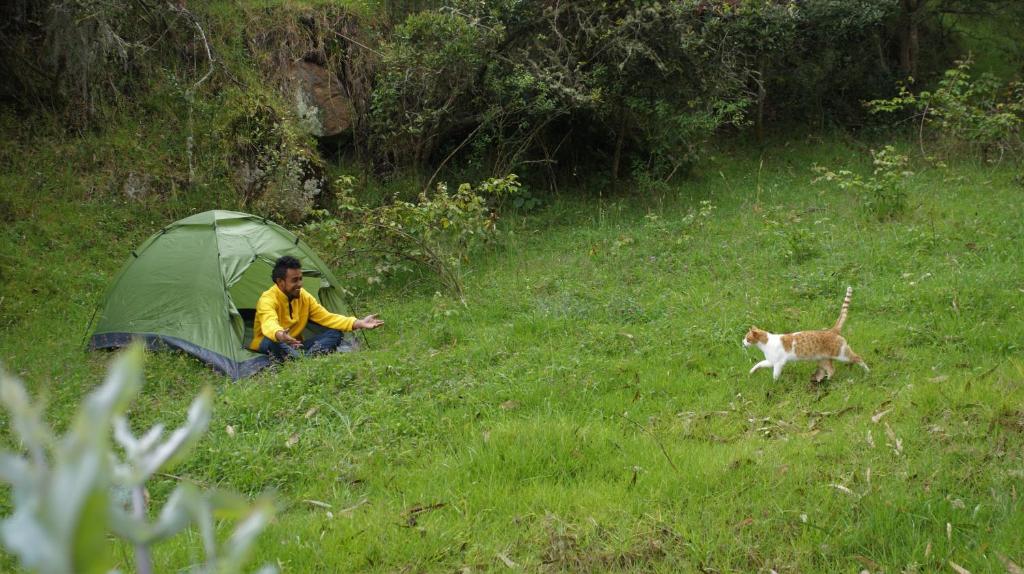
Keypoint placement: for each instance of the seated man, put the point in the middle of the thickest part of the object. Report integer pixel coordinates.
(284, 310)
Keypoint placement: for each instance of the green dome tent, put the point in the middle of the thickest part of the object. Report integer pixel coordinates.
(193, 286)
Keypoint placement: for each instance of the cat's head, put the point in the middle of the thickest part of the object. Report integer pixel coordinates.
(755, 336)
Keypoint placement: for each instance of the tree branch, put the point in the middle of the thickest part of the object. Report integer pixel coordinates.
(182, 11)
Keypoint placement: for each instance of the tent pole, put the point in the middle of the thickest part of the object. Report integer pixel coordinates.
(88, 326)
(360, 334)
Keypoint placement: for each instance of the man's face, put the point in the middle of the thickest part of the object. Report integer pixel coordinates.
(291, 284)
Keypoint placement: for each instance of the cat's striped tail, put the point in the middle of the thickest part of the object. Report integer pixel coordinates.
(842, 313)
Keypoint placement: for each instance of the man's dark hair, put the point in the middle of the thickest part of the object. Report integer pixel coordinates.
(283, 265)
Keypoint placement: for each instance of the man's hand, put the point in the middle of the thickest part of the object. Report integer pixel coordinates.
(367, 322)
(282, 336)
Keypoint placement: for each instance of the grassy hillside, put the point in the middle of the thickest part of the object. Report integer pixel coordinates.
(589, 409)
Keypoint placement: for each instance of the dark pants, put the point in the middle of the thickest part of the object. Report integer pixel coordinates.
(322, 344)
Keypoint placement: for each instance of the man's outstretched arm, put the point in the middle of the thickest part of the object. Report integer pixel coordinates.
(367, 322)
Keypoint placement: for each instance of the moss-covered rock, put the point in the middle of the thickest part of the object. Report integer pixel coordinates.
(273, 166)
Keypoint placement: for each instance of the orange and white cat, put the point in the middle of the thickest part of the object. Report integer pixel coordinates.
(822, 346)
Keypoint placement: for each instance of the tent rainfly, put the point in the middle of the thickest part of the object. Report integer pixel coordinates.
(193, 286)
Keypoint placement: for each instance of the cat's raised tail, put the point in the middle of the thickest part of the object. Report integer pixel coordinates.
(842, 313)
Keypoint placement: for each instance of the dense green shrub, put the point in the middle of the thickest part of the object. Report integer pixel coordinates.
(812, 59)
(633, 80)
(424, 87)
(564, 92)
(627, 86)
(980, 113)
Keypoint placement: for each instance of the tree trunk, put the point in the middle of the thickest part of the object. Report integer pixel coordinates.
(909, 43)
(620, 139)
(883, 62)
(762, 97)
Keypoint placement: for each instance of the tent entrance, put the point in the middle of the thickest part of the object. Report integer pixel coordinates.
(256, 279)
(253, 282)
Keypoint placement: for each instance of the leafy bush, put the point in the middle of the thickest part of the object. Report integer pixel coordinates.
(507, 83)
(427, 71)
(436, 233)
(71, 491)
(823, 57)
(884, 193)
(980, 113)
(641, 83)
(630, 86)
(818, 60)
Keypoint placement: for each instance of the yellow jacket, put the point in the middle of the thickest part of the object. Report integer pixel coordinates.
(274, 312)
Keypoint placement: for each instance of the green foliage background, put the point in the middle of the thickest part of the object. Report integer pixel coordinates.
(629, 90)
(585, 406)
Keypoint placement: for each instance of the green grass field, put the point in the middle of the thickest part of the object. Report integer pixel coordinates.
(589, 408)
